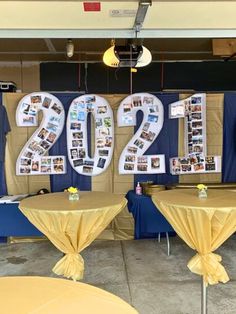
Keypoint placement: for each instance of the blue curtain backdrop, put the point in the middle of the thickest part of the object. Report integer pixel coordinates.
(3, 187)
(166, 143)
(229, 138)
(71, 178)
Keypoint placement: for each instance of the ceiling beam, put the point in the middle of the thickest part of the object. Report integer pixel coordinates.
(117, 33)
(50, 45)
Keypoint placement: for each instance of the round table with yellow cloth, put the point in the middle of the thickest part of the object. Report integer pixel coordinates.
(72, 225)
(204, 224)
(42, 295)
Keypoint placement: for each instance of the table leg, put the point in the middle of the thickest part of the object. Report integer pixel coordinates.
(204, 297)
(168, 243)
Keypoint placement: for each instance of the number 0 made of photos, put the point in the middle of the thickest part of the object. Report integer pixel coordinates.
(33, 158)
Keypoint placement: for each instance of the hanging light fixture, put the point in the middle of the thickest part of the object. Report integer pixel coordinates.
(131, 55)
(127, 56)
(69, 48)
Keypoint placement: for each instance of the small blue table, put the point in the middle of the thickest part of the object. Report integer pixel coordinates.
(149, 222)
(14, 224)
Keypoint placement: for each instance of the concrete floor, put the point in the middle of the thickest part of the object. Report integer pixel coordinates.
(140, 272)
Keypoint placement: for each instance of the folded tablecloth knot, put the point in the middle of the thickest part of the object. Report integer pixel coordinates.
(70, 266)
(208, 265)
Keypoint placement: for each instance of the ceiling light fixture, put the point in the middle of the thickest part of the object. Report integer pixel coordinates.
(127, 56)
(69, 48)
(131, 55)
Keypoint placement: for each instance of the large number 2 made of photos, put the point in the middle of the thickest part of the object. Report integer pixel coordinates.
(33, 158)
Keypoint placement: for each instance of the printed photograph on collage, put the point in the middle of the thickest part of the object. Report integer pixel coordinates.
(46, 102)
(132, 150)
(155, 163)
(128, 166)
(87, 169)
(127, 107)
(36, 99)
(78, 162)
(130, 158)
(101, 109)
(137, 101)
(56, 108)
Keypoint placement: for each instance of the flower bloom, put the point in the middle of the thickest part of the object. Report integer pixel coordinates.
(202, 187)
(72, 190)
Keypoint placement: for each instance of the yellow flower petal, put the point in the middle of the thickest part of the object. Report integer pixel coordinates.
(201, 186)
(72, 190)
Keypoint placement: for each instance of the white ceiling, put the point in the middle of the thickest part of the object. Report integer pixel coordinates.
(172, 30)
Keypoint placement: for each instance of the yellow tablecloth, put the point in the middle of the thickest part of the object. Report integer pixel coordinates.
(72, 225)
(41, 295)
(204, 224)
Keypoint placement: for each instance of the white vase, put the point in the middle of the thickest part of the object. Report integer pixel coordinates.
(202, 193)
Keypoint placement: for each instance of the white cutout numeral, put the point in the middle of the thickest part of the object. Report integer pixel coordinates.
(193, 110)
(77, 142)
(32, 159)
(132, 159)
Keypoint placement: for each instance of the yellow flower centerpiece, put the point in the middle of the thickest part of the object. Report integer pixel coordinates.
(73, 194)
(202, 190)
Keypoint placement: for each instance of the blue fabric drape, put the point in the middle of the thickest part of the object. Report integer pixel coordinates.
(229, 138)
(166, 143)
(71, 178)
(148, 220)
(3, 186)
(4, 129)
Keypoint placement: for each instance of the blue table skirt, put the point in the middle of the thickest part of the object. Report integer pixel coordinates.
(148, 220)
(14, 224)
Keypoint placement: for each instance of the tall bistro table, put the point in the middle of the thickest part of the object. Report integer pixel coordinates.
(72, 225)
(44, 295)
(204, 224)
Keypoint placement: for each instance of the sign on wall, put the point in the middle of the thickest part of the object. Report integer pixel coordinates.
(193, 110)
(33, 159)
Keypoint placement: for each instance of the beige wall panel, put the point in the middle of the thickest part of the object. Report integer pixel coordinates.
(16, 139)
(123, 187)
(122, 227)
(30, 78)
(181, 138)
(25, 75)
(213, 150)
(210, 178)
(36, 185)
(11, 72)
(114, 100)
(120, 143)
(104, 181)
(121, 177)
(213, 126)
(214, 121)
(215, 139)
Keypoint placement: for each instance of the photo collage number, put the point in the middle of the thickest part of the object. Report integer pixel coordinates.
(32, 159)
(77, 139)
(193, 110)
(132, 159)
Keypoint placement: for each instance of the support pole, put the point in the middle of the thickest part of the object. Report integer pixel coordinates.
(204, 297)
